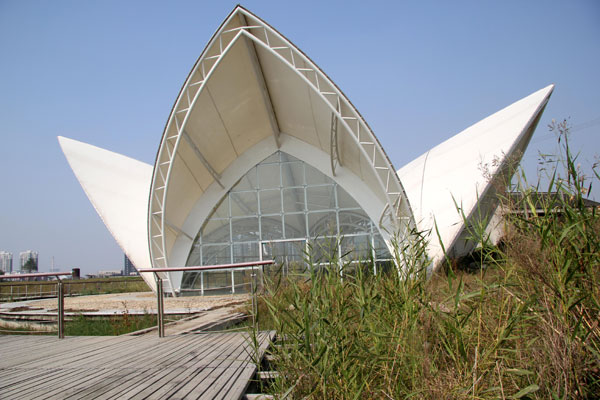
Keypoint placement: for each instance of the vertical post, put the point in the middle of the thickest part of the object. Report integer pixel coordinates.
(160, 305)
(201, 283)
(254, 300)
(232, 283)
(61, 310)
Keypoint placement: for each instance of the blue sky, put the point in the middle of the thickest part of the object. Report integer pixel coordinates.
(108, 72)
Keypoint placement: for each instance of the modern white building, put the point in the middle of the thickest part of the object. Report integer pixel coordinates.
(31, 257)
(263, 156)
(6, 262)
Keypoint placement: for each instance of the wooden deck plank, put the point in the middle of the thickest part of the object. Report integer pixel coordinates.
(146, 375)
(142, 358)
(166, 378)
(193, 369)
(238, 388)
(65, 350)
(66, 371)
(202, 370)
(34, 352)
(219, 371)
(147, 370)
(232, 389)
(131, 363)
(64, 368)
(92, 355)
(209, 365)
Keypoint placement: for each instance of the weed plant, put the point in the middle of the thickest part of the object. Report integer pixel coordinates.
(526, 326)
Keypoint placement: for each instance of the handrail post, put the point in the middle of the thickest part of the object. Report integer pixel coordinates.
(61, 310)
(160, 306)
(254, 300)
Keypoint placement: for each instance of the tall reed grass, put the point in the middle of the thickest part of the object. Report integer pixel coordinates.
(525, 326)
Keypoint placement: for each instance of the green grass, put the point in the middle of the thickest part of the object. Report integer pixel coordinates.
(526, 326)
(111, 326)
(82, 325)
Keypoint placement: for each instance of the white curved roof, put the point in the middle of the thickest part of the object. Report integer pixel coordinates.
(251, 93)
(461, 171)
(117, 187)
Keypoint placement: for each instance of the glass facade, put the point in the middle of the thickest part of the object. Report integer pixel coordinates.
(284, 209)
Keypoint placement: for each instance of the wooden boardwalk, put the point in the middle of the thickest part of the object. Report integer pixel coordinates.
(206, 366)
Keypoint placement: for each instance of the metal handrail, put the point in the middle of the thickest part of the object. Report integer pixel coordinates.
(60, 315)
(159, 283)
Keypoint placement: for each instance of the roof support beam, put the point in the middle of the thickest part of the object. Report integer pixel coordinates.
(203, 160)
(333, 144)
(260, 78)
(179, 231)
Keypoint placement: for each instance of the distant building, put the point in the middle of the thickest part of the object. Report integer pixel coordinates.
(6, 260)
(128, 267)
(29, 261)
(108, 273)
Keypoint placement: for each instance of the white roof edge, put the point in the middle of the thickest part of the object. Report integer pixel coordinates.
(118, 188)
(451, 173)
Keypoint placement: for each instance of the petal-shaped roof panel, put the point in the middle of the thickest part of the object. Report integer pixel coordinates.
(250, 93)
(117, 187)
(460, 171)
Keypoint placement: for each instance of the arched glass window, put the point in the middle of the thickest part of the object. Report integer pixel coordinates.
(282, 208)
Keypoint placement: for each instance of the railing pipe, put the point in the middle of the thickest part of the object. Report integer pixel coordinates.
(34, 275)
(159, 284)
(60, 314)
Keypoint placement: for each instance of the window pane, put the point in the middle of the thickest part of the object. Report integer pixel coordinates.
(293, 200)
(222, 210)
(320, 197)
(315, 177)
(216, 231)
(270, 201)
(287, 157)
(273, 158)
(292, 174)
(322, 224)
(295, 225)
(244, 229)
(243, 252)
(194, 258)
(248, 182)
(354, 222)
(216, 254)
(243, 204)
(271, 227)
(217, 282)
(356, 247)
(268, 176)
(243, 280)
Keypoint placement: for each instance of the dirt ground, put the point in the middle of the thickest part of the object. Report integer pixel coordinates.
(139, 302)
